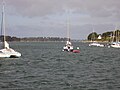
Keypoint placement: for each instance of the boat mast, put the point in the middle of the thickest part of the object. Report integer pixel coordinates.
(3, 24)
(68, 26)
(113, 36)
(118, 36)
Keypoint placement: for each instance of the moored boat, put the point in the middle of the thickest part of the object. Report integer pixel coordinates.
(6, 51)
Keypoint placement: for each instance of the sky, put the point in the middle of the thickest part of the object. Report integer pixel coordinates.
(49, 18)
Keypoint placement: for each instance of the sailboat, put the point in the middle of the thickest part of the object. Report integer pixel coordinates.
(68, 46)
(115, 44)
(94, 43)
(6, 51)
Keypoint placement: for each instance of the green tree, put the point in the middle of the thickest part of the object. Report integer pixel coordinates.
(92, 36)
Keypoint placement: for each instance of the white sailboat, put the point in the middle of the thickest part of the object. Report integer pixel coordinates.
(68, 46)
(94, 43)
(6, 52)
(115, 44)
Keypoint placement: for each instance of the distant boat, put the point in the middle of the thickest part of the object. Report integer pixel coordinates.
(68, 46)
(6, 52)
(94, 43)
(115, 44)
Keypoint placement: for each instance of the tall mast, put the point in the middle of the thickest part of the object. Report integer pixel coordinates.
(114, 34)
(3, 23)
(68, 26)
(118, 36)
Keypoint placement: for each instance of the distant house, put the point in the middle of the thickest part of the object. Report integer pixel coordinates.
(99, 37)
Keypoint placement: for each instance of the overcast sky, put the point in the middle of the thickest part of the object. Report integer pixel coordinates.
(48, 18)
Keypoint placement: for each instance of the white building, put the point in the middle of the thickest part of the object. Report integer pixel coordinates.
(99, 37)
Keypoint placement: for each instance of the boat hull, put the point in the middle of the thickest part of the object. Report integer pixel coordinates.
(9, 53)
(96, 44)
(115, 45)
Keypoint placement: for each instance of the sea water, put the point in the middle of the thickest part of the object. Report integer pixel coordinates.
(44, 66)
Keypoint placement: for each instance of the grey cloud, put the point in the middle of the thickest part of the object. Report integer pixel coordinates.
(102, 13)
(98, 8)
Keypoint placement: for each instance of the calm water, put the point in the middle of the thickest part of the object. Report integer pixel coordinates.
(43, 66)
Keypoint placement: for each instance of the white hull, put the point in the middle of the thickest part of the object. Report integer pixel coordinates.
(68, 48)
(9, 53)
(3, 55)
(115, 45)
(96, 44)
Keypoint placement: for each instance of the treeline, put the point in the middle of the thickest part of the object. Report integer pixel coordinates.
(32, 39)
(9, 38)
(106, 36)
(38, 39)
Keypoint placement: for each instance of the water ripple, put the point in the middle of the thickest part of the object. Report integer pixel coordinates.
(43, 66)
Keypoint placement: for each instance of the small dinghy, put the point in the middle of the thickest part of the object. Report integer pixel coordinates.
(76, 51)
